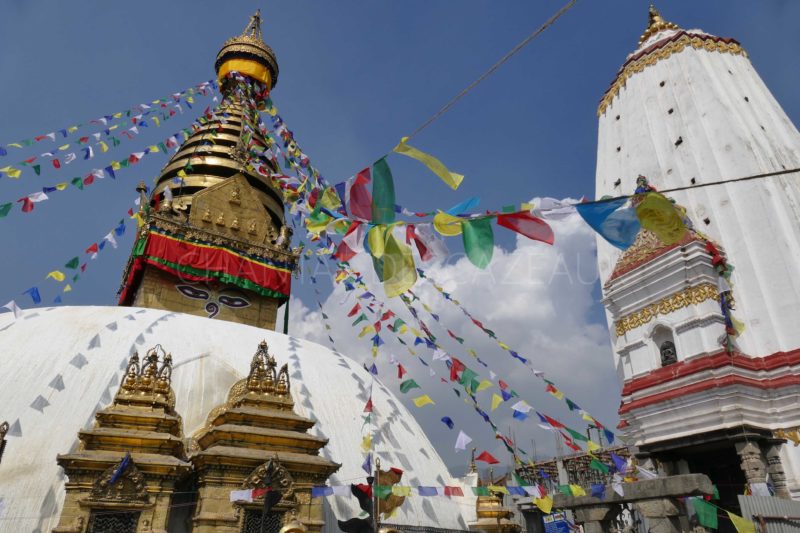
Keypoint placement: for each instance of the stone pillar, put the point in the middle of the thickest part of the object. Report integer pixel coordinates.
(753, 464)
(596, 518)
(775, 469)
(663, 514)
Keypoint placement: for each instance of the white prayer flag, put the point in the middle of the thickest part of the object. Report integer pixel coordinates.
(14, 308)
(462, 440)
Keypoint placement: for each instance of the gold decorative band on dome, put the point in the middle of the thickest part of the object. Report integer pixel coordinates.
(247, 67)
(673, 302)
(706, 42)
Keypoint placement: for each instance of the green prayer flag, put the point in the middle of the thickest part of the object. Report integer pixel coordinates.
(509, 208)
(360, 318)
(565, 490)
(124, 163)
(467, 376)
(572, 405)
(715, 496)
(481, 491)
(407, 385)
(577, 435)
(78, 182)
(37, 169)
(382, 491)
(73, 263)
(382, 193)
(706, 513)
(600, 467)
(520, 482)
(478, 241)
(5, 208)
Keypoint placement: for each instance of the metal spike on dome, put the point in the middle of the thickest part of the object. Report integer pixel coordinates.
(656, 23)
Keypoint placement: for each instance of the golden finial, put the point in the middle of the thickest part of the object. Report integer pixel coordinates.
(472, 466)
(247, 54)
(655, 25)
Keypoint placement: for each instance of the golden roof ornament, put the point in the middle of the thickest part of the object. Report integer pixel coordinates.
(655, 25)
(248, 54)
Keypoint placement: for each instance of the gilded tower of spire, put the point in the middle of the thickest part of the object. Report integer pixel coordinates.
(655, 24)
(214, 242)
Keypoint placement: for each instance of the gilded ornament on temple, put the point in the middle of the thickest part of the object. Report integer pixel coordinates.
(251, 228)
(691, 296)
(206, 215)
(656, 24)
(220, 219)
(235, 224)
(235, 196)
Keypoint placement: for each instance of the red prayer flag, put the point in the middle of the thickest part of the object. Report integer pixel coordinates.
(503, 384)
(360, 197)
(366, 489)
(257, 493)
(92, 249)
(453, 491)
(526, 224)
(56, 163)
(486, 457)
(88, 180)
(27, 204)
(400, 371)
(354, 310)
(387, 315)
(377, 326)
(368, 407)
(455, 368)
(83, 267)
(553, 422)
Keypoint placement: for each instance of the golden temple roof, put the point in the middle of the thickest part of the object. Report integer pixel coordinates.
(655, 25)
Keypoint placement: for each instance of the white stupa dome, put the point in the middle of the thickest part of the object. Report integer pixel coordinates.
(62, 364)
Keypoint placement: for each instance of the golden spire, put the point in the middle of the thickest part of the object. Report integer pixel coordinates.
(656, 24)
(248, 54)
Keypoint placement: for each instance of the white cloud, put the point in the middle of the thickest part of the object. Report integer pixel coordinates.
(539, 299)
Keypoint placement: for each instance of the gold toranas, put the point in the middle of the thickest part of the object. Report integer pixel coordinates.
(673, 302)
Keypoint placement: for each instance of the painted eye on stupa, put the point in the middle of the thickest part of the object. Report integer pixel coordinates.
(192, 292)
(235, 302)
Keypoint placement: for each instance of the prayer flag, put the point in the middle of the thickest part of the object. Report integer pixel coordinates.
(33, 292)
(528, 225)
(316, 492)
(427, 491)
(400, 371)
(5, 208)
(407, 385)
(423, 400)
(462, 440)
(544, 504)
(600, 467)
(616, 225)
(73, 263)
(56, 275)
(447, 225)
(399, 273)
(14, 308)
(453, 491)
(367, 465)
(486, 457)
(452, 179)
(448, 422)
(383, 197)
(359, 199)
(742, 525)
(658, 214)
(577, 490)
(706, 512)
(354, 310)
(598, 490)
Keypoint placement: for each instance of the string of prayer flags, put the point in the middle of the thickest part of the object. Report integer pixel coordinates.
(616, 224)
(452, 179)
(106, 119)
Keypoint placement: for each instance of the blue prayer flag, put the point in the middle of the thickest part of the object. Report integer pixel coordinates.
(318, 492)
(467, 205)
(34, 294)
(373, 370)
(620, 463)
(427, 491)
(517, 491)
(448, 422)
(519, 415)
(367, 466)
(598, 490)
(506, 395)
(609, 435)
(616, 225)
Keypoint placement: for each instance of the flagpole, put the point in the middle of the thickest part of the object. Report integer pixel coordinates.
(376, 499)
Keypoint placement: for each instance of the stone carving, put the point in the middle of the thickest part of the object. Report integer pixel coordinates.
(235, 224)
(235, 195)
(207, 215)
(220, 219)
(668, 353)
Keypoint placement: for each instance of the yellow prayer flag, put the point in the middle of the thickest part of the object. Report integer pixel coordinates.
(12, 172)
(544, 504)
(67, 288)
(139, 219)
(403, 328)
(483, 385)
(452, 179)
(374, 351)
(112, 128)
(416, 332)
(399, 271)
(154, 148)
(63, 147)
(61, 186)
(190, 99)
(181, 173)
(472, 352)
(366, 443)
(496, 400)
(592, 446)
(75, 128)
(103, 147)
(158, 122)
(587, 417)
(330, 199)
(423, 400)
(401, 491)
(447, 225)
(577, 490)
(658, 214)
(15, 145)
(498, 488)
(742, 525)
(367, 329)
(526, 207)
(376, 237)
(56, 275)
(502, 345)
(117, 115)
(115, 165)
(557, 393)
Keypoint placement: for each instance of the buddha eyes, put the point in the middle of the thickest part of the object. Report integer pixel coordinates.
(235, 302)
(192, 292)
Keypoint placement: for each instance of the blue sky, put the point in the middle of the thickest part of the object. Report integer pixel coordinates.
(355, 77)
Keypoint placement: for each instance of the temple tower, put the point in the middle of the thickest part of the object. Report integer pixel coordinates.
(688, 108)
(214, 242)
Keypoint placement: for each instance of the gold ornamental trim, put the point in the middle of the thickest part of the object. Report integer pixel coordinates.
(673, 302)
(634, 67)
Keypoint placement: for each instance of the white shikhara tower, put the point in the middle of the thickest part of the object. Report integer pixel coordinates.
(688, 108)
